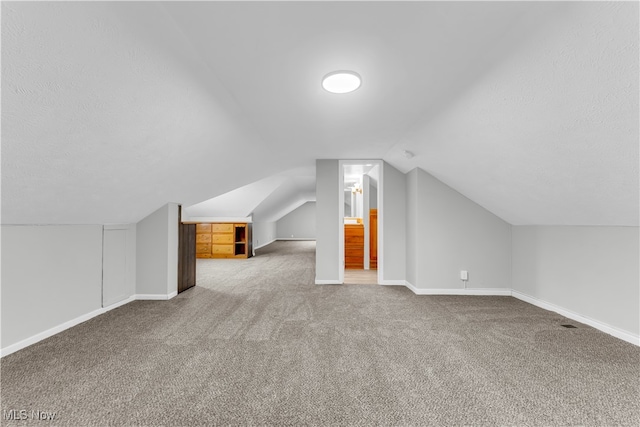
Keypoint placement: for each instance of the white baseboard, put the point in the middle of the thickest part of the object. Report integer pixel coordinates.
(611, 330)
(50, 332)
(155, 297)
(296, 238)
(80, 319)
(608, 329)
(119, 303)
(328, 282)
(392, 282)
(281, 238)
(461, 291)
(263, 245)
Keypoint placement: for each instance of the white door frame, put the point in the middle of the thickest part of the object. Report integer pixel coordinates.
(341, 164)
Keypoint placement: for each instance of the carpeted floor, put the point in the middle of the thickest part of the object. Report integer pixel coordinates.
(257, 343)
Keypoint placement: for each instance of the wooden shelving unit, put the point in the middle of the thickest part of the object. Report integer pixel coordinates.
(223, 240)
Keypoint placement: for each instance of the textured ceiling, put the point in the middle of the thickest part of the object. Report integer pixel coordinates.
(112, 109)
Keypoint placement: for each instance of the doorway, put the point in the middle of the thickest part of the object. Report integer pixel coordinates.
(360, 197)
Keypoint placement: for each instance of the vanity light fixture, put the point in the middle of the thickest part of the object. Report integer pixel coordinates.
(341, 81)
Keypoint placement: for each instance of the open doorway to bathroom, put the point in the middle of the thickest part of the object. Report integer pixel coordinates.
(359, 204)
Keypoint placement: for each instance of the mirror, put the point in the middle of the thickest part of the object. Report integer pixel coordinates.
(359, 179)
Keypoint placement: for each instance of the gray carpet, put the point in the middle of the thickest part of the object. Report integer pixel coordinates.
(257, 343)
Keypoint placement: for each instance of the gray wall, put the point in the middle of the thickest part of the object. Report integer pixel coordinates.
(263, 233)
(328, 223)
(118, 264)
(591, 271)
(393, 224)
(453, 233)
(157, 252)
(50, 275)
(299, 223)
(373, 195)
(411, 224)
(172, 247)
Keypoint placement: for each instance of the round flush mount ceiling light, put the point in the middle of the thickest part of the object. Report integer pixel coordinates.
(341, 81)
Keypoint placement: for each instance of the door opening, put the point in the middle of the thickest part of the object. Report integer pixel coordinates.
(360, 195)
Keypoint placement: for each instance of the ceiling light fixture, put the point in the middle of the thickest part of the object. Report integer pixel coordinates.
(341, 81)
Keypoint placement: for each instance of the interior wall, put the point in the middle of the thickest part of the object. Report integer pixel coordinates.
(117, 284)
(263, 233)
(393, 243)
(591, 271)
(328, 222)
(298, 224)
(157, 252)
(412, 224)
(173, 232)
(50, 275)
(373, 194)
(453, 233)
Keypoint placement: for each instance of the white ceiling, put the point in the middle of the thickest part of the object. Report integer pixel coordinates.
(112, 109)
(266, 200)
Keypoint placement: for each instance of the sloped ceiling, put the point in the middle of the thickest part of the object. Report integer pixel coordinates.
(268, 199)
(236, 203)
(112, 109)
(289, 196)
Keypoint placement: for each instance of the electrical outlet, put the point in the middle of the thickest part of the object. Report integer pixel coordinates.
(464, 275)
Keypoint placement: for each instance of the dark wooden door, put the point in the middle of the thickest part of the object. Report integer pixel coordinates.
(186, 256)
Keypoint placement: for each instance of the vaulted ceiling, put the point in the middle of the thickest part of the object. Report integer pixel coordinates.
(112, 109)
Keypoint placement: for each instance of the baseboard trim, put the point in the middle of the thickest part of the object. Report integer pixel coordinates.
(328, 282)
(119, 303)
(80, 319)
(392, 282)
(155, 297)
(608, 329)
(462, 291)
(263, 245)
(51, 332)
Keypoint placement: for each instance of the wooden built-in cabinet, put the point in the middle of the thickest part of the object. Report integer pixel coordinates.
(354, 246)
(373, 239)
(223, 240)
(354, 243)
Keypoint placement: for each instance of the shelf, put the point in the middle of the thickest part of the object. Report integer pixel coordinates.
(224, 240)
